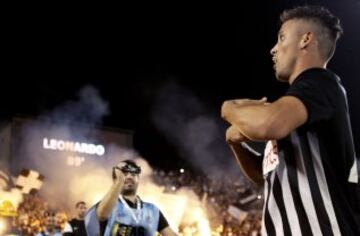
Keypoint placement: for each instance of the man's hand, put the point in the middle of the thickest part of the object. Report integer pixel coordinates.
(229, 105)
(120, 177)
(249, 163)
(233, 135)
(107, 204)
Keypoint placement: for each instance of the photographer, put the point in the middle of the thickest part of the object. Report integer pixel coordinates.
(122, 212)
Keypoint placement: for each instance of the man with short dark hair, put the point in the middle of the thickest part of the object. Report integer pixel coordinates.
(76, 226)
(50, 226)
(309, 166)
(122, 212)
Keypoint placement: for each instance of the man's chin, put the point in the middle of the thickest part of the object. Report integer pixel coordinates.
(281, 78)
(127, 192)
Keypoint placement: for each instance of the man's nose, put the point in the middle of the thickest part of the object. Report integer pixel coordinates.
(273, 50)
(129, 176)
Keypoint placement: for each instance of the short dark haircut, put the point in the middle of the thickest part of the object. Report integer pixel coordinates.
(79, 203)
(329, 27)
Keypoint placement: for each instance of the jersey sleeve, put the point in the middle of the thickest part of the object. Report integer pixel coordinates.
(163, 223)
(92, 224)
(317, 95)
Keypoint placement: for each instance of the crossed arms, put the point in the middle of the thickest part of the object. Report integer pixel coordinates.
(257, 120)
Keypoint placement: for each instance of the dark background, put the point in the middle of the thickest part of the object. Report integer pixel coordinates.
(216, 52)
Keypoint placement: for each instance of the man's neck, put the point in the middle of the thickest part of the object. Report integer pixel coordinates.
(131, 198)
(79, 218)
(50, 231)
(304, 65)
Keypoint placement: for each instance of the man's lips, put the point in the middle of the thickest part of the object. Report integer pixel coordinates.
(275, 62)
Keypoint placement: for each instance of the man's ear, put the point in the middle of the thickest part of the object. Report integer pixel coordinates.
(306, 39)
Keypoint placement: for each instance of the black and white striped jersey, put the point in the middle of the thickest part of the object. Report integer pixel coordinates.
(311, 176)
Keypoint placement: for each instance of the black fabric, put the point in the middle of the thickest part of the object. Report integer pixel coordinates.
(317, 91)
(269, 225)
(78, 227)
(280, 202)
(103, 227)
(312, 181)
(127, 230)
(163, 223)
(328, 120)
(315, 190)
(295, 190)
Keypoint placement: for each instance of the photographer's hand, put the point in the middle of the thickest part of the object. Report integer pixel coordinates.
(107, 204)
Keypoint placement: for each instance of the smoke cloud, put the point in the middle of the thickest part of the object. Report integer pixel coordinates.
(89, 178)
(89, 108)
(198, 135)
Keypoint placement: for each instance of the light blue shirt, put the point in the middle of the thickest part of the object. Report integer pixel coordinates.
(146, 216)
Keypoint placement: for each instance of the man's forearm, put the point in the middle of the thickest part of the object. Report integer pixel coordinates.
(252, 121)
(267, 121)
(107, 204)
(250, 164)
